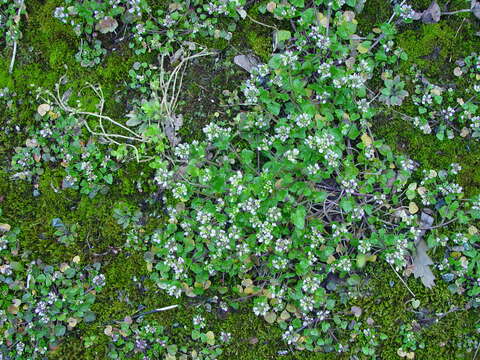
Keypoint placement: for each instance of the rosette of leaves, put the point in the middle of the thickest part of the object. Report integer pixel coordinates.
(393, 93)
(90, 55)
(59, 140)
(41, 303)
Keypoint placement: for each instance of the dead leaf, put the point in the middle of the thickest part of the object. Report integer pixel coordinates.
(64, 267)
(284, 315)
(5, 227)
(421, 262)
(72, 322)
(246, 62)
(475, 6)
(31, 143)
(270, 317)
(271, 6)
(108, 330)
(43, 109)
(106, 25)
(412, 208)
(367, 140)
(432, 14)
(357, 311)
(465, 132)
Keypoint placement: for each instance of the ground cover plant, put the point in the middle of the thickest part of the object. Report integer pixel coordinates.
(236, 179)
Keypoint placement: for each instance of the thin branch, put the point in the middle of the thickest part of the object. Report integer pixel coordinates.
(404, 283)
(260, 23)
(456, 12)
(155, 311)
(12, 62)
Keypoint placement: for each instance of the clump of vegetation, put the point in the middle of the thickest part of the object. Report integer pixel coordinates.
(41, 303)
(287, 207)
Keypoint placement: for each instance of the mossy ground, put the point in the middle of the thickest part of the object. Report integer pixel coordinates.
(47, 52)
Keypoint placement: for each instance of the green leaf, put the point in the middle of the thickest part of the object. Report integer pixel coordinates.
(108, 179)
(298, 217)
(89, 317)
(283, 35)
(361, 260)
(60, 330)
(247, 156)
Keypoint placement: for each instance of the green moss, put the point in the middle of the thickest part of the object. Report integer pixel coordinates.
(374, 12)
(432, 153)
(260, 44)
(436, 47)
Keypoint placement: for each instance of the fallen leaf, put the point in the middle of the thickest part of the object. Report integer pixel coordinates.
(108, 330)
(357, 311)
(432, 14)
(271, 6)
(464, 132)
(31, 143)
(106, 25)
(412, 208)
(349, 16)
(421, 262)
(246, 62)
(284, 315)
(475, 6)
(64, 267)
(43, 109)
(72, 322)
(270, 317)
(5, 227)
(210, 337)
(12, 309)
(367, 140)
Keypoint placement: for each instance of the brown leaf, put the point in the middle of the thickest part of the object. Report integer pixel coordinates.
(106, 25)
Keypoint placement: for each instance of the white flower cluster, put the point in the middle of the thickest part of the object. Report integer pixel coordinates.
(292, 155)
(349, 185)
(422, 124)
(344, 264)
(261, 308)
(282, 132)
(251, 92)
(163, 177)
(321, 41)
(182, 151)
(213, 131)
(396, 257)
(303, 120)
(289, 59)
(406, 12)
